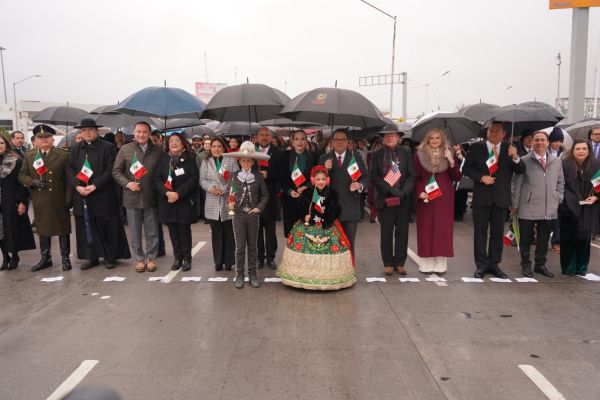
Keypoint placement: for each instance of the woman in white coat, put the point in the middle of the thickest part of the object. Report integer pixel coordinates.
(215, 172)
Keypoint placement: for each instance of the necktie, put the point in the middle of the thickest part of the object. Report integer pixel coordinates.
(340, 161)
(597, 150)
(543, 161)
(496, 151)
(43, 155)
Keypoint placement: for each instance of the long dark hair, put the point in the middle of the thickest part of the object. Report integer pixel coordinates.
(216, 139)
(10, 148)
(584, 166)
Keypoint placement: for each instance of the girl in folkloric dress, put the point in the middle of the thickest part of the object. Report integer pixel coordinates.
(318, 254)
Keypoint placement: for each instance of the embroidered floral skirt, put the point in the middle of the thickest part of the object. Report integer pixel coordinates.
(317, 259)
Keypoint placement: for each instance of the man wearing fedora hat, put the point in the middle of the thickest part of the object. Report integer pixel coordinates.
(44, 172)
(98, 227)
(393, 174)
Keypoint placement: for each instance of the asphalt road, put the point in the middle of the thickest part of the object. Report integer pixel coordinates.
(378, 340)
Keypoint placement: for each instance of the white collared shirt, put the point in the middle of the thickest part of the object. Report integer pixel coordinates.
(343, 155)
(490, 146)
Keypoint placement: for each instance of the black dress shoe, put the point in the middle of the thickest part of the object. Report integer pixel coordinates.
(541, 269)
(497, 272)
(90, 264)
(228, 268)
(14, 262)
(66, 264)
(176, 265)
(480, 273)
(186, 265)
(260, 264)
(219, 267)
(271, 264)
(111, 264)
(5, 262)
(527, 272)
(45, 262)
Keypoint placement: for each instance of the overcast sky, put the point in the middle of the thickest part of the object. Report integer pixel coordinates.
(100, 52)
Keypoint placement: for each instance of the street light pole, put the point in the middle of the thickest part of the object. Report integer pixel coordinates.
(558, 62)
(3, 77)
(393, 54)
(16, 127)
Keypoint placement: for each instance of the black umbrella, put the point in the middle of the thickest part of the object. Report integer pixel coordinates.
(105, 109)
(285, 122)
(581, 129)
(191, 131)
(252, 102)
(162, 102)
(119, 120)
(517, 118)
(459, 128)
(479, 112)
(237, 128)
(176, 123)
(545, 106)
(333, 106)
(61, 115)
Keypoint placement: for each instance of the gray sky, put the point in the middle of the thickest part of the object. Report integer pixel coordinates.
(100, 52)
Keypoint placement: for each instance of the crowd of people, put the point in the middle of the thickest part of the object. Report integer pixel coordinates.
(318, 189)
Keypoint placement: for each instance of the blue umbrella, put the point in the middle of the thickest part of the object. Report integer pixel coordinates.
(162, 102)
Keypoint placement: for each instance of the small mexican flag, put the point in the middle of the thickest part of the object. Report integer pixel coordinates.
(297, 176)
(224, 172)
(169, 182)
(492, 162)
(353, 169)
(86, 172)
(317, 201)
(39, 165)
(232, 192)
(596, 181)
(508, 238)
(137, 169)
(432, 189)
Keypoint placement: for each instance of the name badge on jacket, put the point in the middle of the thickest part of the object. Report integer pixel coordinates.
(179, 171)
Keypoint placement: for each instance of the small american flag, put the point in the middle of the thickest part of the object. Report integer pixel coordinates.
(393, 174)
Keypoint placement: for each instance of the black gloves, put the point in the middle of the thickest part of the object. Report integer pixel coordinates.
(38, 184)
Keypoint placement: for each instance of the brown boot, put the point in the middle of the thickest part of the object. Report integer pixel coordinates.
(388, 270)
(400, 269)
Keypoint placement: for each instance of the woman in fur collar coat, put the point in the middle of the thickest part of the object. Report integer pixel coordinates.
(437, 170)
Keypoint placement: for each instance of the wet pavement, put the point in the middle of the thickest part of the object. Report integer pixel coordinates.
(377, 340)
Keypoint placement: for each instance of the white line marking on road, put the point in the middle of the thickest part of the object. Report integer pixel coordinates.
(471, 280)
(403, 280)
(169, 277)
(541, 382)
(417, 259)
(376, 279)
(95, 294)
(104, 297)
(595, 245)
(218, 279)
(52, 279)
(114, 279)
(197, 248)
(77, 376)
(273, 280)
(437, 279)
(191, 279)
(526, 280)
(156, 278)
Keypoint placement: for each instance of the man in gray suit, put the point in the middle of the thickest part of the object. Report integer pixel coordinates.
(348, 188)
(536, 195)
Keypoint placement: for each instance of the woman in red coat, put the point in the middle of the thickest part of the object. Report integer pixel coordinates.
(437, 170)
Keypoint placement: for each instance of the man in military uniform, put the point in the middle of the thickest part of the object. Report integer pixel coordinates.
(44, 173)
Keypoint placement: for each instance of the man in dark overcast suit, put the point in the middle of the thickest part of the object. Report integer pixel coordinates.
(491, 196)
(348, 190)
